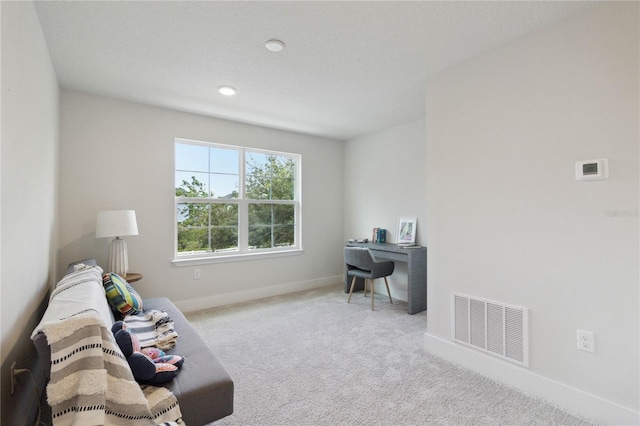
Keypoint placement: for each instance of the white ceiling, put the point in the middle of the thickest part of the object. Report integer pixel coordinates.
(349, 68)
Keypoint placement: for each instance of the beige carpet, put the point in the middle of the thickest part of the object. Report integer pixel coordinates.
(310, 358)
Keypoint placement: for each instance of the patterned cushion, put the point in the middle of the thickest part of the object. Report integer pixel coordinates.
(121, 296)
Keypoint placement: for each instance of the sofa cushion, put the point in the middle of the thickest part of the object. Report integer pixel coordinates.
(202, 381)
(121, 296)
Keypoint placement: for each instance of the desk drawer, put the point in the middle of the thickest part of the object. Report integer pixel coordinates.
(389, 255)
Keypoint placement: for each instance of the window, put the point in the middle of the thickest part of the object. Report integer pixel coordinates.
(234, 201)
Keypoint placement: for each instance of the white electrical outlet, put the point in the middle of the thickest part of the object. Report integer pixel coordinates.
(586, 341)
(196, 274)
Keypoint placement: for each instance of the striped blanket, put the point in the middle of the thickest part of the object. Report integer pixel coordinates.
(153, 328)
(91, 382)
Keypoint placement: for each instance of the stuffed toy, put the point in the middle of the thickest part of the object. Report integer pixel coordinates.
(157, 355)
(153, 368)
(160, 357)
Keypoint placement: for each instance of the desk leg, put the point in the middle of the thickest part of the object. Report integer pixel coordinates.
(417, 283)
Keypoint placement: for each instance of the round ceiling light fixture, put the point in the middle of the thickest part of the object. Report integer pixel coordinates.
(274, 45)
(227, 90)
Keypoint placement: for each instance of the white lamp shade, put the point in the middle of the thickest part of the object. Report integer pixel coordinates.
(116, 223)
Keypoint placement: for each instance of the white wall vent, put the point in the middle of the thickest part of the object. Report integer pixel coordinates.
(492, 327)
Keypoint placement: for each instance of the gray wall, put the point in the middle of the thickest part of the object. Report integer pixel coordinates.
(120, 155)
(30, 105)
(29, 147)
(384, 180)
(507, 221)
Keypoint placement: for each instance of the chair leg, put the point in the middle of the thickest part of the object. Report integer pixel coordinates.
(388, 292)
(372, 298)
(353, 283)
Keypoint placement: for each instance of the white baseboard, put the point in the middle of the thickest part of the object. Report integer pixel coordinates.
(570, 398)
(201, 303)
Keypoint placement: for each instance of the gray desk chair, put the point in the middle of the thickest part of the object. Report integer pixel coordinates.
(361, 264)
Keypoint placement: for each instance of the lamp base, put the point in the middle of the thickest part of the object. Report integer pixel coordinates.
(118, 257)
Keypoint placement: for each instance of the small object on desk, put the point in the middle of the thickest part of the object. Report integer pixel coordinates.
(379, 235)
(132, 277)
(408, 246)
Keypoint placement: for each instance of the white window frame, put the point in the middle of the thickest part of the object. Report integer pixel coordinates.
(243, 252)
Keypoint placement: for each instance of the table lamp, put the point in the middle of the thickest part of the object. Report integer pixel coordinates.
(117, 223)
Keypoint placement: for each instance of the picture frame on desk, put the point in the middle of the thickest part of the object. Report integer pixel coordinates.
(407, 231)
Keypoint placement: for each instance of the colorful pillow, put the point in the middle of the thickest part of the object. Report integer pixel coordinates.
(121, 296)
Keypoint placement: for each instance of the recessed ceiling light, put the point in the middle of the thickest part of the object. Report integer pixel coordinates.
(274, 45)
(227, 90)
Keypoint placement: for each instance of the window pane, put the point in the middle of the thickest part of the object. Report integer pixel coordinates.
(283, 215)
(271, 225)
(193, 215)
(260, 236)
(226, 161)
(256, 163)
(193, 220)
(192, 239)
(191, 184)
(260, 214)
(283, 235)
(224, 215)
(191, 157)
(258, 175)
(224, 186)
(270, 177)
(225, 172)
(258, 187)
(282, 189)
(260, 219)
(224, 238)
(207, 227)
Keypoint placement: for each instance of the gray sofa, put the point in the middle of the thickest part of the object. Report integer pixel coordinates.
(203, 387)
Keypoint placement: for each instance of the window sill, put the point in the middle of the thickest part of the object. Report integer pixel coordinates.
(240, 257)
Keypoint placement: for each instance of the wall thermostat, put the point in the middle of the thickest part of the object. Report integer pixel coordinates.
(592, 169)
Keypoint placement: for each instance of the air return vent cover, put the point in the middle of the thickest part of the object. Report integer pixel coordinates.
(491, 327)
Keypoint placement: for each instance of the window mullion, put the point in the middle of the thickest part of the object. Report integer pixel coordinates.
(273, 236)
(195, 200)
(209, 195)
(210, 211)
(243, 208)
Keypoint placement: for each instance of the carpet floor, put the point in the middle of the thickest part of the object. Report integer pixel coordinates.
(310, 358)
